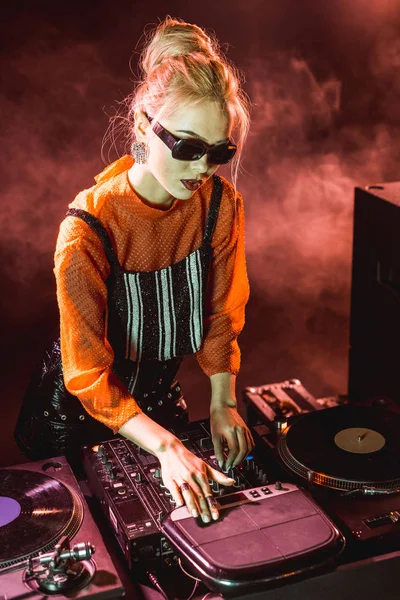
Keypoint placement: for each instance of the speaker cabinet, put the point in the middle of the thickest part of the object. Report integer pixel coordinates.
(374, 356)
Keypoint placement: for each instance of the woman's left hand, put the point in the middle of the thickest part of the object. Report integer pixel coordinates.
(227, 425)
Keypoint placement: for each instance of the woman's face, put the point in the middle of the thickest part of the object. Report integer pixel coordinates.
(165, 178)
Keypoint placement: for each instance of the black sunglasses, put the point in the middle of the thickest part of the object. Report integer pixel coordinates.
(192, 149)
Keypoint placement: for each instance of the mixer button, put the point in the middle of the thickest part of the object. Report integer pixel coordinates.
(255, 494)
(206, 443)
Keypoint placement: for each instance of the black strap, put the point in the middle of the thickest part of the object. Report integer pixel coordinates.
(98, 228)
(213, 210)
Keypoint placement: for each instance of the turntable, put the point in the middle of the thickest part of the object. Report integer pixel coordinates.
(49, 543)
(345, 448)
(347, 456)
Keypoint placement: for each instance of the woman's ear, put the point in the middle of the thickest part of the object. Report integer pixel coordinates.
(141, 126)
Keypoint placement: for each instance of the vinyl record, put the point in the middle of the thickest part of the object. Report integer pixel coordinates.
(35, 512)
(345, 447)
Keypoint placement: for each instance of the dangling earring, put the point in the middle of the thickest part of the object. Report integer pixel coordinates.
(140, 152)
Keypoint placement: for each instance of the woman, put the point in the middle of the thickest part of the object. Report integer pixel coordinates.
(150, 267)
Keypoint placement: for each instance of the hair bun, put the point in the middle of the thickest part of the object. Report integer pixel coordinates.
(173, 38)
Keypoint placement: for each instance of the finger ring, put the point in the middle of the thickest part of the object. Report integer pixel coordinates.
(184, 487)
(212, 501)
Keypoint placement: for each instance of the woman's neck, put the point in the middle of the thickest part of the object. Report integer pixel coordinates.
(148, 189)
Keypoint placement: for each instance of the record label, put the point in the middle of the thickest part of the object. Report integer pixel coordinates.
(359, 440)
(9, 510)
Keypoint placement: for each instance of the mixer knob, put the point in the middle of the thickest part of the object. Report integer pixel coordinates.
(104, 457)
(237, 481)
(249, 463)
(157, 473)
(116, 474)
(138, 478)
(278, 485)
(128, 459)
(261, 476)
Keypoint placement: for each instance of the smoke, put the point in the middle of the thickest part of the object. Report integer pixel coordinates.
(52, 135)
(319, 129)
(303, 164)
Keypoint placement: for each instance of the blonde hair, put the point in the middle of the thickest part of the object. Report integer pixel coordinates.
(182, 65)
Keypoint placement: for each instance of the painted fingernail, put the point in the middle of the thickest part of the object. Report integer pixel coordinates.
(220, 464)
(206, 518)
(195, 514)
(215, 515)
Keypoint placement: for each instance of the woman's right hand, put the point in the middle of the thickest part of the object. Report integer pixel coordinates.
(184, 474)
(187, 478)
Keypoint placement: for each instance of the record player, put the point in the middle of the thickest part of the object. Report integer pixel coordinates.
(346, 455)
(49, 543)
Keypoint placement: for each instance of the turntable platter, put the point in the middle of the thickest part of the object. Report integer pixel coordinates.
(345, 447)
(35, 511)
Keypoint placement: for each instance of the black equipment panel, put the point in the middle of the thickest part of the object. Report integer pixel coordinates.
(264, 535)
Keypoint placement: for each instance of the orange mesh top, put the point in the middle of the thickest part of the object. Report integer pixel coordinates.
(144, 239)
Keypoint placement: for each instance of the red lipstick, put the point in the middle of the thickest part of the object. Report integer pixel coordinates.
(191, 184)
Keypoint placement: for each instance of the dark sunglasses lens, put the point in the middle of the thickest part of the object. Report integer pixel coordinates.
(221, 154)
(188, 150)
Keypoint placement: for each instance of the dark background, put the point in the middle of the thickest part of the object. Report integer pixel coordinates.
(324, 78)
